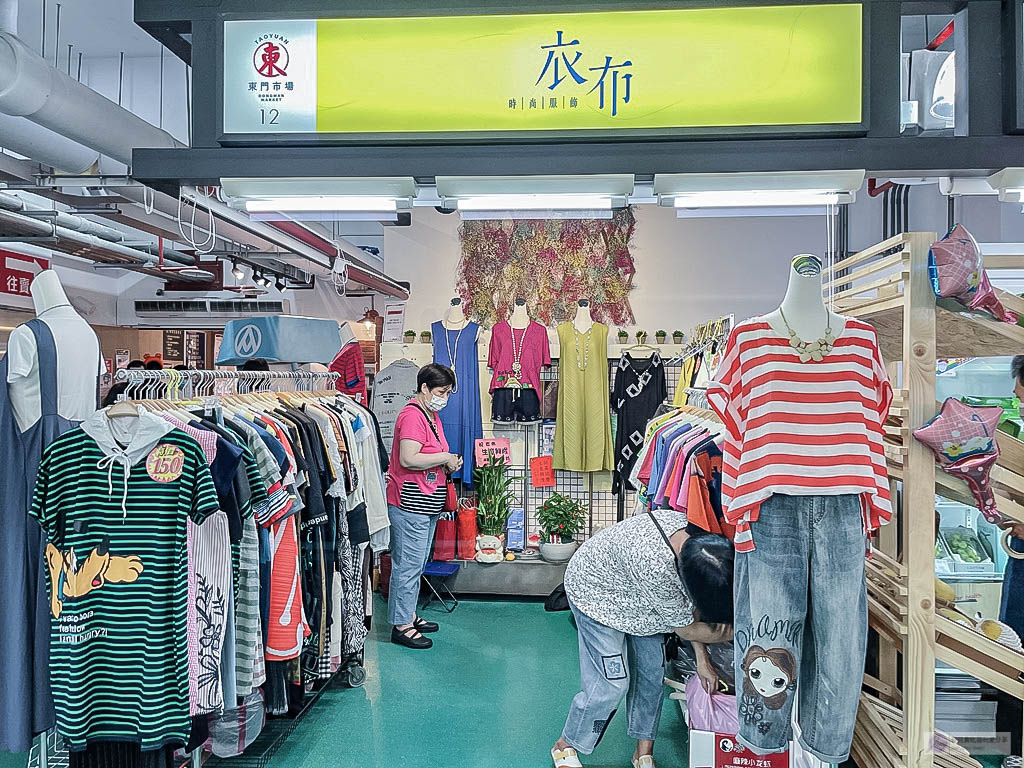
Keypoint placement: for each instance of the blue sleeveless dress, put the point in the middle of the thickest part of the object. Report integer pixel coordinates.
(463, 423)
(26, 703)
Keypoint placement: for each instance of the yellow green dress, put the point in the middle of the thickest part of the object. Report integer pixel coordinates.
(583, 429)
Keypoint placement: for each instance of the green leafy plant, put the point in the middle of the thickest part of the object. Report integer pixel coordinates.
(623, 336)
(660, 336)
(560, 518)
(641, 336)
(410, 336)
(425, 337)
(494, 499)
(678, 336)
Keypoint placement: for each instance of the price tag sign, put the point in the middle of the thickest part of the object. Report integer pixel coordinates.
(729, 753)
(165, 463)
(542, 472)
(499, 447)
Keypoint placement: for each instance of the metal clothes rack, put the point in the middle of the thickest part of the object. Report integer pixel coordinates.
(173, 384)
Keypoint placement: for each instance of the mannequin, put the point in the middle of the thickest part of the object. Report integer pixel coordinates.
(454, 318)
(78, 353)
(803, 305)
(583, 321)
(520, 318)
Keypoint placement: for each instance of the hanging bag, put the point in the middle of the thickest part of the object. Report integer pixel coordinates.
(467, 531)
(710, 712)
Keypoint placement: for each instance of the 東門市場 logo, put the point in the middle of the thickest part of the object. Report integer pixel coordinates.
(271, 58)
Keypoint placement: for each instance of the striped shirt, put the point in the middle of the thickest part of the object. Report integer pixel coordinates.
(803, 429)
(118, 588)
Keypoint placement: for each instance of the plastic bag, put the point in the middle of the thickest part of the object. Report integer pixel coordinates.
(715, 713)
(234, 730)
(444, 540)
(467, 530)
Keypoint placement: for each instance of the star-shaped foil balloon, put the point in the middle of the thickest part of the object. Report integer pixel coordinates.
(955, 263)
(963, 438)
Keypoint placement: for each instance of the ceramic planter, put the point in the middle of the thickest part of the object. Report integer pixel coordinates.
(557, 553)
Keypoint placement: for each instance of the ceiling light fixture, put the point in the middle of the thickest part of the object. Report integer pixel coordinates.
(789, 189)
(535, 202)
(743, 198)
(280, 283)
(236, 270)
(323, 203)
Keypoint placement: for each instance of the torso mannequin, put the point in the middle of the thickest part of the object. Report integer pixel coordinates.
(583, 322)
(454, 318)
(803, 304)
(78, 356)
(347, 335)
(519, 318)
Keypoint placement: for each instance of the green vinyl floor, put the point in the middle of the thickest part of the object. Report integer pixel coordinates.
(493, 691)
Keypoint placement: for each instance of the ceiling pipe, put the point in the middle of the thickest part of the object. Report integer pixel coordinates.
(9, 16)
(44, 146)
(32, 88)
(67, 220)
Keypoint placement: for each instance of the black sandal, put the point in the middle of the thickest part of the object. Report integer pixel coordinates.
(425, 626)
(415, 640)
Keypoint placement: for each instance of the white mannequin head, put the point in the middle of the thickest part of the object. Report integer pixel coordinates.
(47, 292)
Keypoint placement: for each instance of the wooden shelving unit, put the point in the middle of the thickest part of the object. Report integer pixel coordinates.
(888, 286)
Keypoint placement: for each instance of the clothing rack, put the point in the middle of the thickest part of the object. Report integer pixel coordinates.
(173, 384)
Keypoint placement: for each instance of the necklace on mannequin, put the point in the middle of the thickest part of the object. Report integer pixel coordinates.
(517, 355)
(582, 363)
(811, 350)
(452, 355)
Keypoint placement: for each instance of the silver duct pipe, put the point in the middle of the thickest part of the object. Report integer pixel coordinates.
(9, 16)
(44, 146)
(32, 88)
(44, 228)
(65, 220)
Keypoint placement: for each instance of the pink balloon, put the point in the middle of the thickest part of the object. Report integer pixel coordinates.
(977, 472)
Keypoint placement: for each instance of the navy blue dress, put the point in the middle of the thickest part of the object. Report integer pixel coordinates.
(463, 423)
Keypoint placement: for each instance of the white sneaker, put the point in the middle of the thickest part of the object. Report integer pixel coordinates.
(566, 758)
(644, 761)
(1013, 761)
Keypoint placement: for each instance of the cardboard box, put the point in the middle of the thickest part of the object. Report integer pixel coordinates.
(721, 750)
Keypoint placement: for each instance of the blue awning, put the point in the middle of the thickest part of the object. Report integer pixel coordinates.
(282, 339)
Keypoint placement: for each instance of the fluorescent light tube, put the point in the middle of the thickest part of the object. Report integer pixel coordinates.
(323, 203)
(741, 198)
(536, 215)
(535, 203)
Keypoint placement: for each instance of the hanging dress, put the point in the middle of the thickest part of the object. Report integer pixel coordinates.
(583, 428)
(26, 702)
(463, 424)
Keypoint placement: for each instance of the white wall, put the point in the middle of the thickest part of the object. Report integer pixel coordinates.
(691, 270)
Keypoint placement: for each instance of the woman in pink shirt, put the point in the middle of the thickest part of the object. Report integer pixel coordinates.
(417, 488)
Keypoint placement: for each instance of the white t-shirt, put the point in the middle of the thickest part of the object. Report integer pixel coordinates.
(392, 389)
(78, 354)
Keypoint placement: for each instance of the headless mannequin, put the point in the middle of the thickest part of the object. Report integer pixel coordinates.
(520, 318)
(583, 321)
(803, 305)
(347, 335)
(454, 318)
(78, 356)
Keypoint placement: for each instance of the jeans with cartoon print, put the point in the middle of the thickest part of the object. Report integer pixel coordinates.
(801, 624)
(612, 665)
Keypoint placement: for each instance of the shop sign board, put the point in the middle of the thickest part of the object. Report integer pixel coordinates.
(18, 270)
(174, 346)
(498, 447)
(610, 72)
(394, 323)
(195, 349)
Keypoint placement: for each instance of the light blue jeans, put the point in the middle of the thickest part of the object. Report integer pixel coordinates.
(801, 624)
(411, 537)
(612, 665)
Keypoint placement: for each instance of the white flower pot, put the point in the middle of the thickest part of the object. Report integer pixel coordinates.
(557, 553)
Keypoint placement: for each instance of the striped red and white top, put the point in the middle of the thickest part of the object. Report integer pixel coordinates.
(802, 429)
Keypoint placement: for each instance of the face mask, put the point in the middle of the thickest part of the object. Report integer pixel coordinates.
(437, 403)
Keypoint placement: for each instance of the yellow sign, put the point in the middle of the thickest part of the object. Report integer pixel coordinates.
(620, 70)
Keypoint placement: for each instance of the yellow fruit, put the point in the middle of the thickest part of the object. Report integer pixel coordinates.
(510, 557)
(991, 629)
(944, 593)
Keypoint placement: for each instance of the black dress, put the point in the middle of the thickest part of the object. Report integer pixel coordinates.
(639, 389)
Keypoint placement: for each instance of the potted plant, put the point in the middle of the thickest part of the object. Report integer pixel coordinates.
(494, 505)
(410, 337)
(660, 336)
(677, 337)
(425, 337)
(641, 336)
(560, 518)
(623, 337)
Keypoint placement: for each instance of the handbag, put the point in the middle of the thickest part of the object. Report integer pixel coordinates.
(444, 540)
(467, 529)
(451, 498)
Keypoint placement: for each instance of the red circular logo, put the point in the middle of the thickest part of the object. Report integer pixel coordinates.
(271, 59)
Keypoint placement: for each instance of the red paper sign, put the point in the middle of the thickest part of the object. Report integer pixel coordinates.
(542, 472)
(499, 447)
(17, 271)
(729, 753)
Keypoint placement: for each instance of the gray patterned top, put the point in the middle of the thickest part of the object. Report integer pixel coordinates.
(625, 577)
